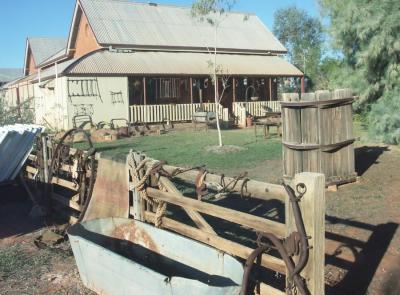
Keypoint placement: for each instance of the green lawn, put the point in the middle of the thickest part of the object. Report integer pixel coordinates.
(188, 148)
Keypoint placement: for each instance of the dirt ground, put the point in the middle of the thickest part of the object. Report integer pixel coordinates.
(363, 218)
(24, 267)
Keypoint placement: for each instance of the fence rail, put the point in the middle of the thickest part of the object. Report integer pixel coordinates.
(163, 192)
(254, 108)
(172, 112)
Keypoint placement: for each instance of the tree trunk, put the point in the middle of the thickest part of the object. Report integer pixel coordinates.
(216, 89)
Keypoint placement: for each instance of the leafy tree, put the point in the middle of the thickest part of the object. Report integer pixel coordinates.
(367, 33)
(214, 12)
(303, 36)
(23, 114)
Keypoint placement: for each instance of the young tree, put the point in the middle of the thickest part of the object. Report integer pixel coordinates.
(303, 36)
(214, 12)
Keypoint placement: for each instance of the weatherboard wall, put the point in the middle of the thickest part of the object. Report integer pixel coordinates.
(103, 98)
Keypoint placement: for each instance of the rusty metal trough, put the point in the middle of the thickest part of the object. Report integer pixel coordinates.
(124, 256)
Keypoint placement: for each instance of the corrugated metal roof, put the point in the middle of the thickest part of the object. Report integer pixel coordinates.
(180, 63)
(46, 74)
(56, 56)
(43, 48)
(119, 22)
(9, 74)
(16, 142)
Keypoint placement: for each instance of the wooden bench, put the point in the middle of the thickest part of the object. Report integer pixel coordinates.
(203, 117)
(269, 120)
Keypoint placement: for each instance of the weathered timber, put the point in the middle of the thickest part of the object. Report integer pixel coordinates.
(254, 189)
(268, 290)
(214, 240)
(244, 219)
(195, 216)
(318, 135)
(65, 183)
(312, 206)
(66, 201)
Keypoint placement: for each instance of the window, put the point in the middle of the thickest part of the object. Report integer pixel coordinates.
(170, 88)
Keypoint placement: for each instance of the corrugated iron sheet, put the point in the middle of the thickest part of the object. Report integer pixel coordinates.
(181, 63)
(130, 23)
(16, 142)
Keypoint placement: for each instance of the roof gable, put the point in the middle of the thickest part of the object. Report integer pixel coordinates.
(43, 48)
(130, 24)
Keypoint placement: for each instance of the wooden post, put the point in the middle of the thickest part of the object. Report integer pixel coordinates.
(312, 206)
(191, 89)
(270, 88)
(234, 89)
(144, 91)
(266, 90)
(303, 85)
(45, 159)
(138, 202)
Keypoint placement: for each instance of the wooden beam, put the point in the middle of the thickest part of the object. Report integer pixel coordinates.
(244, 219)
(214, 240)
(65, 183)
(270, 88)
(195, 216)
(268, 290)
(303, 85)
(234, 89)
(31, 169)
(144, 91)
(255, 189)
(312, 206)
(191, 89)
(138, 202)
(65, 201)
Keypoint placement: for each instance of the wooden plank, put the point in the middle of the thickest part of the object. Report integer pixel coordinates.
(268, 290)
(234, 89)
(65, 183)
(31, 169)
(312, 206)
(214, 240)
(255, 189)
(138, 202)
(195, 216)
(270, 88)
(32, 157)
(244, 219)
(144, 91)
(45, 159)
(65, 201)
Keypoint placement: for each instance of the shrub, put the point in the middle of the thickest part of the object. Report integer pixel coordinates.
(384, 118)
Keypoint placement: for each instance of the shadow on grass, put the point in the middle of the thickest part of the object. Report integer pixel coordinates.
(367, 156)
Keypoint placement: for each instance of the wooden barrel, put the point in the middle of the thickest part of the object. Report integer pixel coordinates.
(318, 135)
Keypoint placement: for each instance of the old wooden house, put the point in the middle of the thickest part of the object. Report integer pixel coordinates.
(146, 62)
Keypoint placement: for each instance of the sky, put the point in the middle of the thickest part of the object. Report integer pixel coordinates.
(20, 19)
